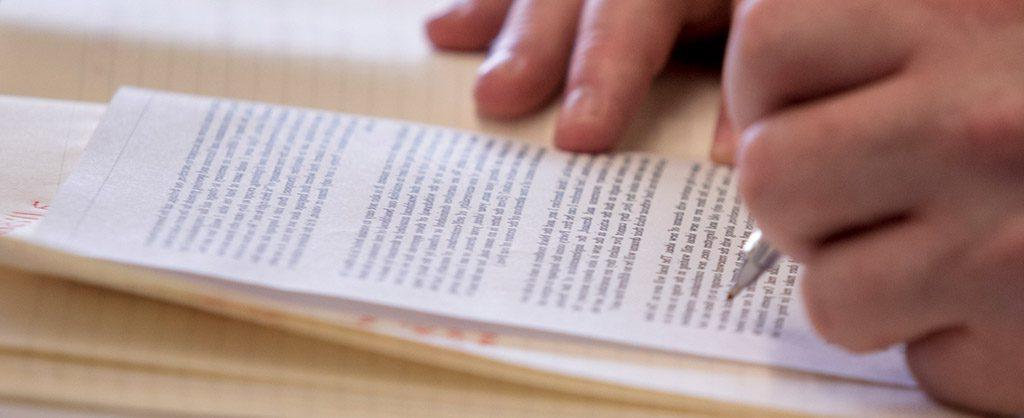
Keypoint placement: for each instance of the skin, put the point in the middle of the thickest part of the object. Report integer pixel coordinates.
(879, 142)
(602, 55)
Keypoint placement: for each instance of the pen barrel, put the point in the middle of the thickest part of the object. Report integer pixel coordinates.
(763, 254)
(760, 252)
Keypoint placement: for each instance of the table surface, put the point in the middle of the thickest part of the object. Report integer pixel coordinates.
(359, 56)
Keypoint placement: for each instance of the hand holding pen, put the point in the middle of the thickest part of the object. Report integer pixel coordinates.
(884, 151)
(880, 143)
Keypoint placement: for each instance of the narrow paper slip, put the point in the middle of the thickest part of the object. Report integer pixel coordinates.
(626, 248)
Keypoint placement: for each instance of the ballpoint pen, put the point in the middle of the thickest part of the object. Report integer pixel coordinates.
(758, 257)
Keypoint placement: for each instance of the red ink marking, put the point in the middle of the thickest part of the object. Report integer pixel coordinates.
(22, 215)
(488, 338)
(366, 321)
(455, 334)
(21, 218)
(423, 330)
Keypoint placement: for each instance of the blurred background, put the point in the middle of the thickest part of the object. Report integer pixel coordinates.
(360, 56)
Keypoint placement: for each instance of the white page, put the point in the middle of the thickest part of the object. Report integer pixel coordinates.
(39, 142)
(38, 131)
(148, 192)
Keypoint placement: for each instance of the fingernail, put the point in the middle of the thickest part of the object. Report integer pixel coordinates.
(723, 146)
(502, 64)
(458, 9)
(442, 15)
(583, 106)
(585, 124)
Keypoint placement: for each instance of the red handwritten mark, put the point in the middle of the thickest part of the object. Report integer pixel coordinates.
(488, 338)
(371, 322)
(25, 215)
(455, 334)
(22, 218)
(422, 330)
(366, 321)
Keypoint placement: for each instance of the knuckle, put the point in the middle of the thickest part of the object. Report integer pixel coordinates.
(491, 12)
(999, 265)
(602, 50)
(596, 44)
(519, 44)
(991, 128)
(821, 309)
(761, 183)
(762, 25)
(941, 364)
(769, 185)
(833, 312)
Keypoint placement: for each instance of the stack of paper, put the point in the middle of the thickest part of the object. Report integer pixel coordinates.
(447, 267)
(102, 352)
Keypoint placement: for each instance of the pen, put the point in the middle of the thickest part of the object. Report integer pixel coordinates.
(758, 257)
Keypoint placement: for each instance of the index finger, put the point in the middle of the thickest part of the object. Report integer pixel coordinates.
(787, 51)
(620, 47)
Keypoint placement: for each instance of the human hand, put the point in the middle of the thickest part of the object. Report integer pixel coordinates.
(882, 145)
(605, 52)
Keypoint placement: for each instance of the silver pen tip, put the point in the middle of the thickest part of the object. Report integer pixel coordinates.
(758, 257)
(732, 293)
(746, 275)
